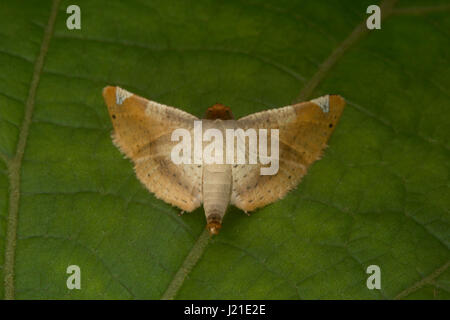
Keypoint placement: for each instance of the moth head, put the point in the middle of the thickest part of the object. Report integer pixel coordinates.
(218, 111)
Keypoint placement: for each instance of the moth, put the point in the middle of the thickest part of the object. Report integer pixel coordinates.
(143, 132)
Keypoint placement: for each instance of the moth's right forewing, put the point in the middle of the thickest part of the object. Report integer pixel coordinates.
(308, 133)
(304, 130)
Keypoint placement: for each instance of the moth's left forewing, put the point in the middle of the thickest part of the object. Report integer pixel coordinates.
(142, 131)
(304, 130)
(134, 117)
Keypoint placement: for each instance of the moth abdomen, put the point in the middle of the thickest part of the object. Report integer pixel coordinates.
(214, 222)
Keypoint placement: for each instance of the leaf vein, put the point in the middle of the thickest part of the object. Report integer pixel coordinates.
(427, 280)
(14, 166)
(357, 33)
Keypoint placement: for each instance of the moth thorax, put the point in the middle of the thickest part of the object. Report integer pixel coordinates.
(214, 223)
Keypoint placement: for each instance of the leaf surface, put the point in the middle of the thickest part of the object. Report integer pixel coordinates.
(379, 196)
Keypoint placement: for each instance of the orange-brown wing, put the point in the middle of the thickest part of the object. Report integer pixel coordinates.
(142, 131)
(304, 130)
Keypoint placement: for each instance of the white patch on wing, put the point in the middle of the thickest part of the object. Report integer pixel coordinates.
(153, 108)
(122, 95)
(323, 103)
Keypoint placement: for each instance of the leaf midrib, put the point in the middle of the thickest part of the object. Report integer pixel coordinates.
(387, 9)
(357, 33)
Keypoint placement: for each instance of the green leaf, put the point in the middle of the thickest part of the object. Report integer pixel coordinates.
(379, 196)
